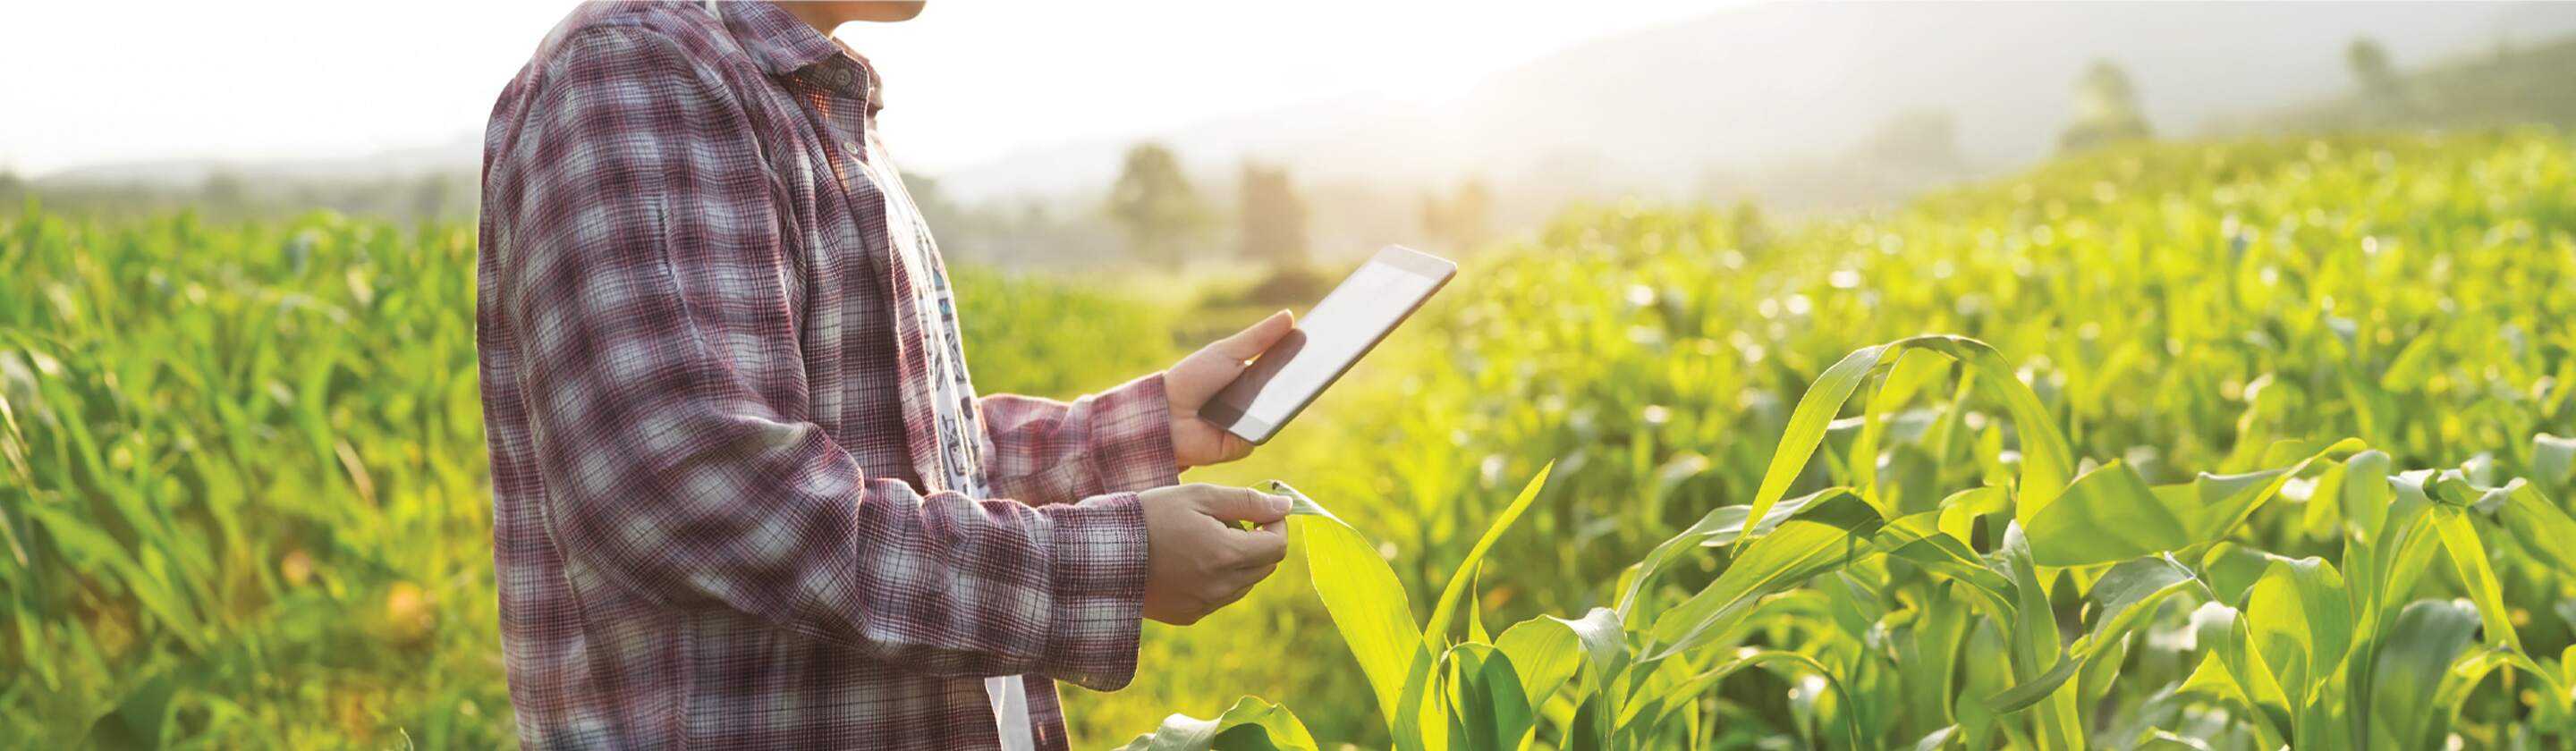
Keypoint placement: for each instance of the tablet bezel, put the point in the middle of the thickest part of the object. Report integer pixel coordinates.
(1234, 417)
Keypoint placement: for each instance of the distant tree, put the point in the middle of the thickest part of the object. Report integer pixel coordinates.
(1460, 221)
(2369, 64)
(1156, 205)
(1752, 232)
(1917, 140)
(11, 187)
(2106, 110)
(1273, 216)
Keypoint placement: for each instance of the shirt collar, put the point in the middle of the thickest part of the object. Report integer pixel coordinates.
(784, 46)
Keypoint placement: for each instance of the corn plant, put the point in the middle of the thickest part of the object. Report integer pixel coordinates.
(2289, 651)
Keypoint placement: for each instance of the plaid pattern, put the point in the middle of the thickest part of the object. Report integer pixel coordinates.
(708, 424)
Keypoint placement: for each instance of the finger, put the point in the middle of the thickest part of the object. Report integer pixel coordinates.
(1229, 504)
(1260, 548)
(1250, 342)
(1255, 562)
(1250, 581)
(1230, 447)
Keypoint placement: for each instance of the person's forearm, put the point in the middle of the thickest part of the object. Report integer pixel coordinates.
(1046, 452)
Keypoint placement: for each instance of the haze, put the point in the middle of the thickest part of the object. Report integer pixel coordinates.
(87, 83)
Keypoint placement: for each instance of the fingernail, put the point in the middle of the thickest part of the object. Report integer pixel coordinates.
(1279, 504)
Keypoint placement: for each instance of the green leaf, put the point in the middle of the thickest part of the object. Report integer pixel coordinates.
(2046, 463)
(2365, 491)
(2110, 514)
(2232, 670)
(1366, 601)
(2299, 618)
(2553, 459)
(1447, 606)
(1807, 425)
(2106, 515)
(1252, 724)
(1476, 633)
(1489, 710)
(2539, 528)
(1959, 512)
(2121, 600)
(2428, 635)
(1652, 708)
(1945, 555)
(2469, 558)
(2035, 650)
(1548, 650)
(1911, 372)
(1822, 538)
(1721, 527)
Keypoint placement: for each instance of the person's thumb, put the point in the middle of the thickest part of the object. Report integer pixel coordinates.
(1251, 342)
(1230, 504)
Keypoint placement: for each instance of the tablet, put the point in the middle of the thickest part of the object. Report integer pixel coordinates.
(1345, 325)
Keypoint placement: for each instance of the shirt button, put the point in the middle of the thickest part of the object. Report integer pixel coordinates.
(850, 146)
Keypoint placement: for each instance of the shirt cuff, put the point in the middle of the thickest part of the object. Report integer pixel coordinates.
(1132, 443)
(1098, 590)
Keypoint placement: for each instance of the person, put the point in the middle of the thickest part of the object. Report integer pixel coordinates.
(744, 492)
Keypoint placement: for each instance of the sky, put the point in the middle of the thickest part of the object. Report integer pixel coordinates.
(94, 82)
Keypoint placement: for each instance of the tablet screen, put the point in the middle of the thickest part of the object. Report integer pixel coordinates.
(1329, 338)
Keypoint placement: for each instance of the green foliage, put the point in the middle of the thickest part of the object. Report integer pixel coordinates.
(2277, 657)
(243, 501)
(2202, 325)
(243, 495)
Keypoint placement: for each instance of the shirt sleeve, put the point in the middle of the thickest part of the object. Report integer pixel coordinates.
(647, 278)
(1045, 451)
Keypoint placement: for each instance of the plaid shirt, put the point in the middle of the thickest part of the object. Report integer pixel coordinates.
(710, 427)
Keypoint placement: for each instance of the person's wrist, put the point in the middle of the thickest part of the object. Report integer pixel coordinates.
(1138, 451)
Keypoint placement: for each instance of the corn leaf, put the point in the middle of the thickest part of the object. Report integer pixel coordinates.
(2428, 636)
(2046, 463)
(2121, 600)
(1822, 538)
(1367, 604)
(1447, 606)
(1548, 650)
(2110, 514)
(1488, 706)
(2553, 459)
(1252, 724)
(2299, 617)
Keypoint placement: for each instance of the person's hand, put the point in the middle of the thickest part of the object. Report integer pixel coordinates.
(1196, 379)
(1196, 559)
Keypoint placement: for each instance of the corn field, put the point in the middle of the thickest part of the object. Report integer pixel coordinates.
(2230, 446)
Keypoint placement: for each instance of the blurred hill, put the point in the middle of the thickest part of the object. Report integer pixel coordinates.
(1801, 106)
(2508, 83)
(1753, 88)
(432, 182)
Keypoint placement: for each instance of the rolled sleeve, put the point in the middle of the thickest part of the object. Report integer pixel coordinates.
(1046, 452)
(1099, 592)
